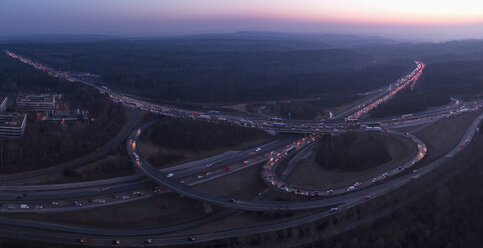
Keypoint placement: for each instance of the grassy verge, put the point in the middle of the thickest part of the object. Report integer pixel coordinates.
(158, 210)
(309, 174)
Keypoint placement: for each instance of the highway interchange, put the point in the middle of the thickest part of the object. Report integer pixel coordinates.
(182, 178)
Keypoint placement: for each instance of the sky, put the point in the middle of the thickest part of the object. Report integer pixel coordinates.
(408, 18)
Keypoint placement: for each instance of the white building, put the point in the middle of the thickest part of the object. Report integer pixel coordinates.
(36, 102)
(12, 125)
(3, 104)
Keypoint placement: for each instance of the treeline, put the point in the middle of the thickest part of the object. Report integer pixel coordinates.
(295, 110)
(192, 76)
(197, 135)
(299, 109)
(351, 152)
(407, 101)
(14, 77)
(47, 144)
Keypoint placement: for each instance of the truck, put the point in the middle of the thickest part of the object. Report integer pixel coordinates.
(213, 112)
(246, 122)
(276, 119)
(290, 149)
(407, 116)
(278, 124)
(373, 128)
(351, 119)
(136, 156)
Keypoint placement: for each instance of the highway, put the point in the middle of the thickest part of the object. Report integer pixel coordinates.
(90, 193)
(271, 178)
(375, 190)
(180, 179)
(131, 239)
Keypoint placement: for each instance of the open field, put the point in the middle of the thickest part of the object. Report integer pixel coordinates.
(444, 134)
(242, 184)
(245, 219)
(308, 174)
(164, 157)
(341, 109)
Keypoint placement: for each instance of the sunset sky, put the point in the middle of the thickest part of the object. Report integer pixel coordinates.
(463, 18)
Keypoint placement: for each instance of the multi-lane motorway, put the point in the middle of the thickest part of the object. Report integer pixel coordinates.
(181, 178)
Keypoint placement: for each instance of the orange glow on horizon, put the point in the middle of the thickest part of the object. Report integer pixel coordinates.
(359, 12)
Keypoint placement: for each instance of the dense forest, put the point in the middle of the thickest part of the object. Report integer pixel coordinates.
(44, 143)
(439, 82)
(351, 152)
(149, 69)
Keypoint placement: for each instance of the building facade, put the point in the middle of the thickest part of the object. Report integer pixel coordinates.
(36, 102)
(12, 125)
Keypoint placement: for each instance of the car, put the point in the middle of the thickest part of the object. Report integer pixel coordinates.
(333, 210)
(82, 240)
(147, 241)
(260, 193)
(357, 184)
(39, 207)
(191, 238)
(116, 242)
(102, 201)
(414, 171)
(208, 173)
(258, 149)
(230, 200)
(227, 168)
(385, 174)
(199, 177)
(137, 193)
(245, 162)
(77, 204)
(125, 197)
(208, 165)
(170, 175)
(55, 203)
(330, 191)
(374, 180)
(367, 197)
